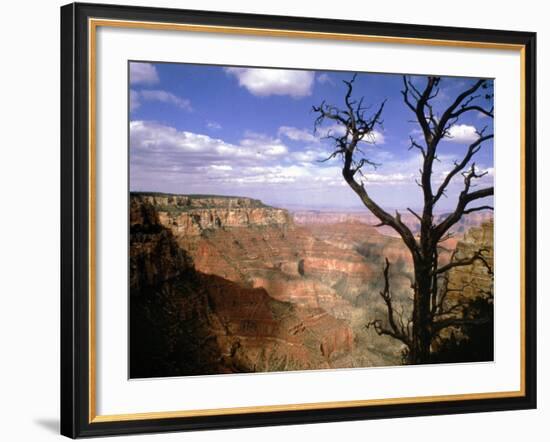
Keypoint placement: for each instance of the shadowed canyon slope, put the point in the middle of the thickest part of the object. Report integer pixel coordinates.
(228, 284)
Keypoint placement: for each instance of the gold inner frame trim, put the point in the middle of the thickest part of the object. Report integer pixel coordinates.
(93, 24)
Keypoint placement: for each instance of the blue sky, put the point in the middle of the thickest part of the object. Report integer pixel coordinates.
(249, 132)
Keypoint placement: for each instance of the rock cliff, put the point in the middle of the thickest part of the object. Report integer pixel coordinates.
(475, 279)
(190, 215)
(469, 300)
(186, 322)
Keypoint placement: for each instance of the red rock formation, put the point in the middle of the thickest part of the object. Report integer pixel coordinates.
(469, 300)
(191, 215)
(258, 333)
(476, 279)
(287, 261)
(187, 322)
(268, 294)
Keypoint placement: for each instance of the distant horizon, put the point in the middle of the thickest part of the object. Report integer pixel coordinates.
(289, 206)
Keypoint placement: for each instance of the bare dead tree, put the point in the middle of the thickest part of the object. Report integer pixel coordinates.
(356, 129)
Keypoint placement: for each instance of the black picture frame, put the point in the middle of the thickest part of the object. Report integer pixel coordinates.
(75, 221)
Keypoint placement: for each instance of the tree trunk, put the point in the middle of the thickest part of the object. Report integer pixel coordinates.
(419, 353)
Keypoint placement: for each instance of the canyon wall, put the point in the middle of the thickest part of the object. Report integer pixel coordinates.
(249, 289)
(477, 278)
(313, 217)
(186, 322)
(259, 246)
(469, 301)
(191, 215)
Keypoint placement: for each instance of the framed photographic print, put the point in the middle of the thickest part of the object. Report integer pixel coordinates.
(279, 220)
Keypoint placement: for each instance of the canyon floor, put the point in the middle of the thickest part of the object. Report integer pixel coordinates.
(228, 284)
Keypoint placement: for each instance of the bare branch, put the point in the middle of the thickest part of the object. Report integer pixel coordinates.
(397, 329)
(361, 163)
(417, 216)
(331, 156)
(464, 199)
(459, 166)
(477, 256)
(417, 101)
(445, 237)
(451, 111)
(486, 112)
(417, 146)
(477, 209)
(457, 322)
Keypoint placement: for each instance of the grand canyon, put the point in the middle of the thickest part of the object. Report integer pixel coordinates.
(223, 284)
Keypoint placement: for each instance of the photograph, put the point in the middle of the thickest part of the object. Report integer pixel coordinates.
(295, 219)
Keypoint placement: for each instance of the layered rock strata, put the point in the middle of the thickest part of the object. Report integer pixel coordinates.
(245, 288)
(186, 322)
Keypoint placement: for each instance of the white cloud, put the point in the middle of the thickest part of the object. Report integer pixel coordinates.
(296, 174)
(391, 178)
(274, 175)
(394, 171)
(462, 133)
(309, 155)
(264, 144)
(325, 78)
(323, 147)
(265, 82)
(213, 125)
(332, 130)
(224, 167)
(166, 145)
(143, 73)
(161, 152)
(458, 133)
(295, 134)
(180, 159)
(165, 97)
(376, 137)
